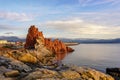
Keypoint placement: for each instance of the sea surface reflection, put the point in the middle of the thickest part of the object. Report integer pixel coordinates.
(98, 56)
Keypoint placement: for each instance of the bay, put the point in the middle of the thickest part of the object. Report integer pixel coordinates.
(97, 56)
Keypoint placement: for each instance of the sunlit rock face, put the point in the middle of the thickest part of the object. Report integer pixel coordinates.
(56, 46)
(32, 35)
(35, 37)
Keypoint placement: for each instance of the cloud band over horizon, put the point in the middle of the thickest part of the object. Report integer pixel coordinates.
(64, 18)
(81, 29)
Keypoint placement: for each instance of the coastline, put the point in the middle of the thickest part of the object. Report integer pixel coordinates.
(33, 71)
(71, 43)
(40, 58)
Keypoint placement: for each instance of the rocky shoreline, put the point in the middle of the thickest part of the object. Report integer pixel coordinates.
(11, 69)
(41, 60)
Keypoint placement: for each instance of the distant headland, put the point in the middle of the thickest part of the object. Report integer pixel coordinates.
(67, 40)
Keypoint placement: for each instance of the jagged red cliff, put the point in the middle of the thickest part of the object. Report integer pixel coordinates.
(32, 35)
(55, 46)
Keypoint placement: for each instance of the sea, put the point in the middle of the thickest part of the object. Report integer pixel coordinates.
(97, 56)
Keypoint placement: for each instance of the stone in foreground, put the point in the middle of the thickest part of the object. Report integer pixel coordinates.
(12, 73)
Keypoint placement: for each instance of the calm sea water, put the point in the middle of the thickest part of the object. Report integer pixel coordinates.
(98, 56)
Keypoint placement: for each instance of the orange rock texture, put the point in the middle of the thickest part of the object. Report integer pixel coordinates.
(55, 46)
(32, 35)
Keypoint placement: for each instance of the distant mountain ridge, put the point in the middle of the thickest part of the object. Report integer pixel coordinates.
(79, 40)
(11, 38)
(117, 40)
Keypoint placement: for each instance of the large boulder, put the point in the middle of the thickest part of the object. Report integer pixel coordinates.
(18, 65)
(28, 58)
(23, 56)
(6, 64)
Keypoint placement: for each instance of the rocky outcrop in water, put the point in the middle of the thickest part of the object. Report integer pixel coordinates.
(55, 46)
(58, 47)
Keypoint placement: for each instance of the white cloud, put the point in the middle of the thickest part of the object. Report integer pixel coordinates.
(98, 2)
(15, 16)
(109, 18)
(6, 27)
(77, 28)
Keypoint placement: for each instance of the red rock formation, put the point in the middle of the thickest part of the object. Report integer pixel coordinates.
(56, 46)
(32, 35)
(49, 43)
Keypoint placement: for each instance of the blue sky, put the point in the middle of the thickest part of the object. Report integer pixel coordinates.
(61, 18)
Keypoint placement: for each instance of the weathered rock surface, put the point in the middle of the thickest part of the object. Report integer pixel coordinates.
(21, 56)
(57, 46)
(88, 73)
(69, 74)
(41, 74)
(32, 35)
(18, 65)
(28, 58)
(35, 37)
(3, 69)
(11, 69)
(78, 73)
(12, 73)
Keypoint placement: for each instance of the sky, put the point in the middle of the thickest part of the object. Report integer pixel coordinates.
(98, 19)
